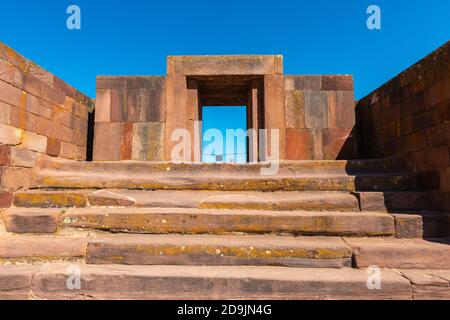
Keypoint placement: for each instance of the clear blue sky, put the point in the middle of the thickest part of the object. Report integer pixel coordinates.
(135, 36)
(232, 148)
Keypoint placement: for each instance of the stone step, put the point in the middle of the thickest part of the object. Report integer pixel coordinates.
(59, 281)
(401, 253)
(330, 201)
(287, 251)
(226, 182)
(388, 165)
(291, 176)
(198, 221)
(41, 248)
(396, 201)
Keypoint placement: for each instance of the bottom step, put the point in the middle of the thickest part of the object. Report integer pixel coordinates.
(323, 252)
(60, 281)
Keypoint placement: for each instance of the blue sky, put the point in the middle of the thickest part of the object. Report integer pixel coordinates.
(135, 36)
(223, 119)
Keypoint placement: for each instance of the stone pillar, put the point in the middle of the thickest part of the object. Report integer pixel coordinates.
(274, 111)
(176, 113)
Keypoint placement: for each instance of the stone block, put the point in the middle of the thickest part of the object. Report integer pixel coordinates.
(10, 135)
(60, 115)
(299, 144)
(127, 141)
(408, 226)
(15, 178)
(148, 141)
(432, 159)
(176, 95)
(68, 150)
(341, 109)
(295, 109)
(338, 144)
(107, 141)
(337, 83)
(303, 82)
(53, 147)
(145, 99)
(6, 199)
(274, 117)
(53, 95)
(11, 95)
(23, 158)
(33, 141)
(316, 109)
(439, 135)
(224, 65)
(38, 106)
(103, 106)
(5, 155)
(31, 220)
(118, 105)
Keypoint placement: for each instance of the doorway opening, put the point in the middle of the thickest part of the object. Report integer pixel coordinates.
(222, 102)
(224, 134)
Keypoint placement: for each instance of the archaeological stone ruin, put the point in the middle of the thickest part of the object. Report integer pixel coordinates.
(114, 189)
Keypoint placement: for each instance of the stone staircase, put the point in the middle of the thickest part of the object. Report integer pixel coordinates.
(146, 230)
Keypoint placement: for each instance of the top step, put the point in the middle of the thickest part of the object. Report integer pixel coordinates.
(363, 175)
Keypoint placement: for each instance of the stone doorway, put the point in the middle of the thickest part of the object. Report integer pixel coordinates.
(230, 90)
(224, 134)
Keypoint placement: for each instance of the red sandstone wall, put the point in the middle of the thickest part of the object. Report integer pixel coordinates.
(129, 118)
(409, 117)
(320, 116)
(39, 114)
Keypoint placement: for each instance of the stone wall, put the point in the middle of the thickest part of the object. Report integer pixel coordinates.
(409, 117)
(320, 116)
(39, 115)
(129, 118)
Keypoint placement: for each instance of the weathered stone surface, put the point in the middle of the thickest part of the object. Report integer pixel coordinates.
(31, 220)
(224, 65)
(110, 198)
(148, 141)
(176, 95)
(6, 199)
(316, 109)
(395, 201)
(127, 141)
(195, 282)
(299, 144)
(274, 114)
(337, 82)
(107, 141)
(408, 226)
(148, 176)
(49, 199)
(33, 141)
(320, 201)
(429, 284)
(15, 281)
(338, 144)
(303, 82)
(23, 158)
(195, 221)
(295, 109)
(53, 147)
(341, 111)
(426, 224)
(42, 248)
(103, 106)
(401, 253)
(319, 252)
(15, 178)
(10, 135)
